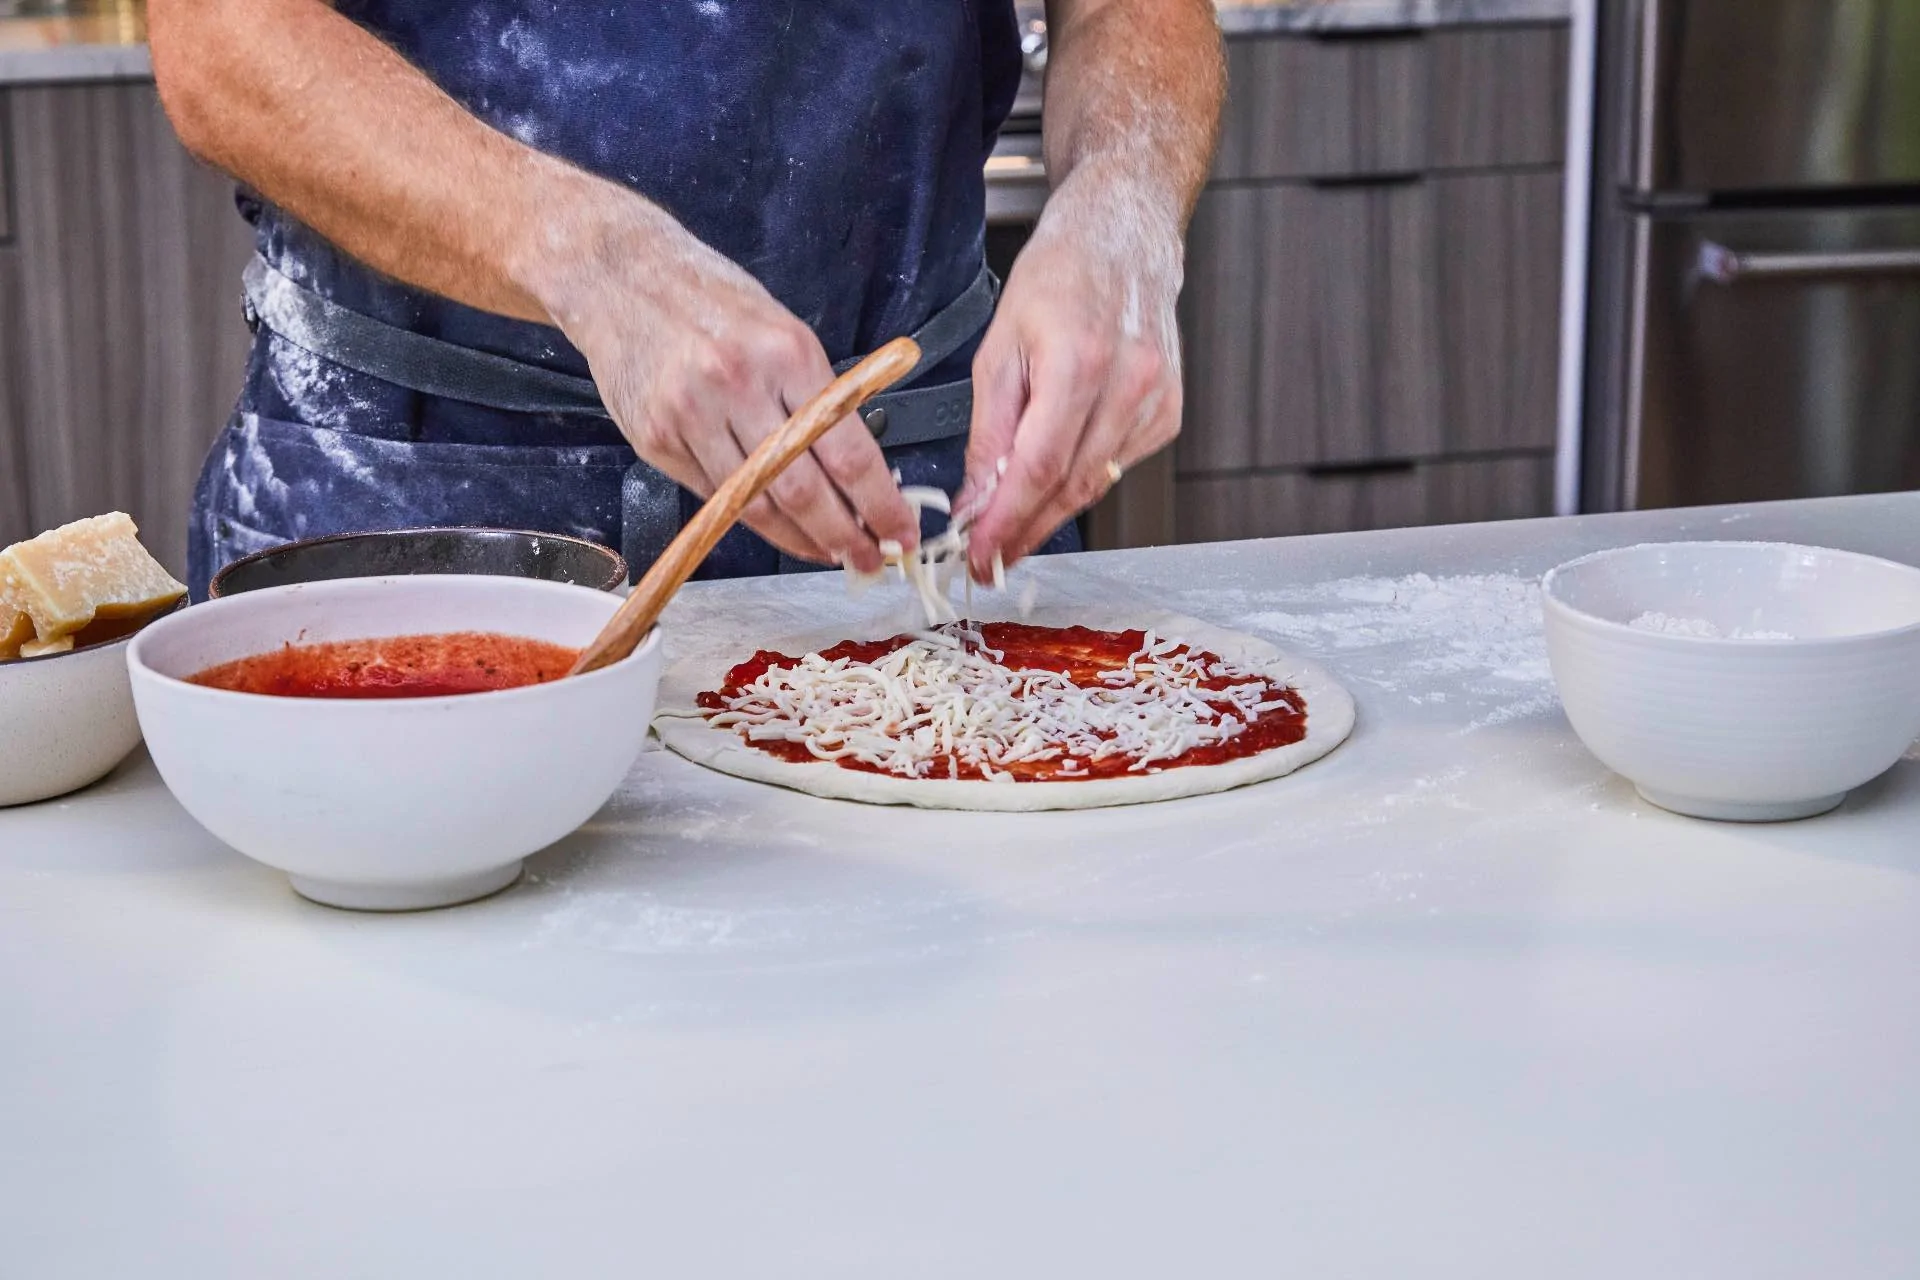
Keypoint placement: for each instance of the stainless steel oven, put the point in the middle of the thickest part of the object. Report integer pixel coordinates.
(1756, 265)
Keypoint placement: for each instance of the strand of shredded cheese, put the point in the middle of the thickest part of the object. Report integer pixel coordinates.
(947, 695)
(939, 560)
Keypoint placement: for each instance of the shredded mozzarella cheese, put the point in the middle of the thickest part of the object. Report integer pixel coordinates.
(946, 695)
(939, 560)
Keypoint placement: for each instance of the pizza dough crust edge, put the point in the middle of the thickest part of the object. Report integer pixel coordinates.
(1330, 718)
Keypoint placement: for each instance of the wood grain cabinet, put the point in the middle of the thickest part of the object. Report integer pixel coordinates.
(1353, 324)
(1359, 104)
(121, 338)
(1275, 504)
(1371, 316)
(13, 456)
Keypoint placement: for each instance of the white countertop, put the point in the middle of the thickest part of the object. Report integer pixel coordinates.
(1452, 1002)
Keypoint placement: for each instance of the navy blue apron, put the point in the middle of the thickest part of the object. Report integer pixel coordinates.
(833, 148)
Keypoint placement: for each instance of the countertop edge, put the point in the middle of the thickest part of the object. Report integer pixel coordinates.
(1366, 15)
(81, 61)
(66, 63)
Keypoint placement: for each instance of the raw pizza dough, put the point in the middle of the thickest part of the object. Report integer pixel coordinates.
(684, 729)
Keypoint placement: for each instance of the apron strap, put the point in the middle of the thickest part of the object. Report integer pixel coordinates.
(324, 328)
(952, 326)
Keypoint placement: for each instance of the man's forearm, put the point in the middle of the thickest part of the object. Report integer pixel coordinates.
(332, 125)
(1133, 95)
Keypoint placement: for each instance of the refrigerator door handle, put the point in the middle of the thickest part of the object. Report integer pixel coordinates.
(1642, 80)
(1720, 265)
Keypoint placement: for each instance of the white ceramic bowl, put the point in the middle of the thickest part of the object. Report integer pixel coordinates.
(65, 721)
(1743, 729)
(401, 803)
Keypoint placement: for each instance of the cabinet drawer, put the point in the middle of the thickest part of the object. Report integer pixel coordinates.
(1332, 325)
(1498, 97)
(1309, 323)
(6, 167)
(1284, 503)
(15, 520)
(1402, 102)
(1496, 248)
(1301, 106)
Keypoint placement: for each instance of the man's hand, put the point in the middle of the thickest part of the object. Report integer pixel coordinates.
(1079, 376)
(699, 364)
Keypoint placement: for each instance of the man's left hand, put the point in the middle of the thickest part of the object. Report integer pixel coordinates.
(1078, 378)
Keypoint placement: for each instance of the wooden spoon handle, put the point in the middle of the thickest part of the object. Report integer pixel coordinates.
(846, 393)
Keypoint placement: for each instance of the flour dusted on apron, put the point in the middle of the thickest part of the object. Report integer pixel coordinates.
(833, 148)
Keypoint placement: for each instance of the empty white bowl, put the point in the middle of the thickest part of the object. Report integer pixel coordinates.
(65, 720)
(394, 803)
(1706, 720)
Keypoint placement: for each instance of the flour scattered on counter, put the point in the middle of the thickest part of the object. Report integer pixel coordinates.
(636, 925)
(1471, 639)
(1700, 628)
(1486, 624)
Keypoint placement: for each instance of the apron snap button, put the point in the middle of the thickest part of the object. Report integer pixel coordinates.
(876, 420)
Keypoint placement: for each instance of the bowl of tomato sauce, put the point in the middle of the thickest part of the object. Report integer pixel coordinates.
(392, 743)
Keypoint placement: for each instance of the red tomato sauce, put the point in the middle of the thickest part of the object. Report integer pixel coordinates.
(430, 666)
(1080, 653)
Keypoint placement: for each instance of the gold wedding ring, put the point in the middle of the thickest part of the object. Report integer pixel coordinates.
(1113, 471)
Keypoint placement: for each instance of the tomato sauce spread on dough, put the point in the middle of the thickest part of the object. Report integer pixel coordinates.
(428, 666)
(1084, 656)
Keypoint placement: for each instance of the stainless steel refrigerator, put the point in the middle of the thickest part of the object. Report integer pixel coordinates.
(1754, 322)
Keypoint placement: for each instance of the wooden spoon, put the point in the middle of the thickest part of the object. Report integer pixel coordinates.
(846, 393)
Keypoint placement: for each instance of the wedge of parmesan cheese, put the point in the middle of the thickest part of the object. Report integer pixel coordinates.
(34, 649)
(16, 628)
(92, 568)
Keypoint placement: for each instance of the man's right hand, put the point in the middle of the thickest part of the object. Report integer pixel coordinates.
(698, 364)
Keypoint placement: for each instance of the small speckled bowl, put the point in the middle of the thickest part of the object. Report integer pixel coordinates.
(1745, 681)
(506, 553)
(66, 719)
